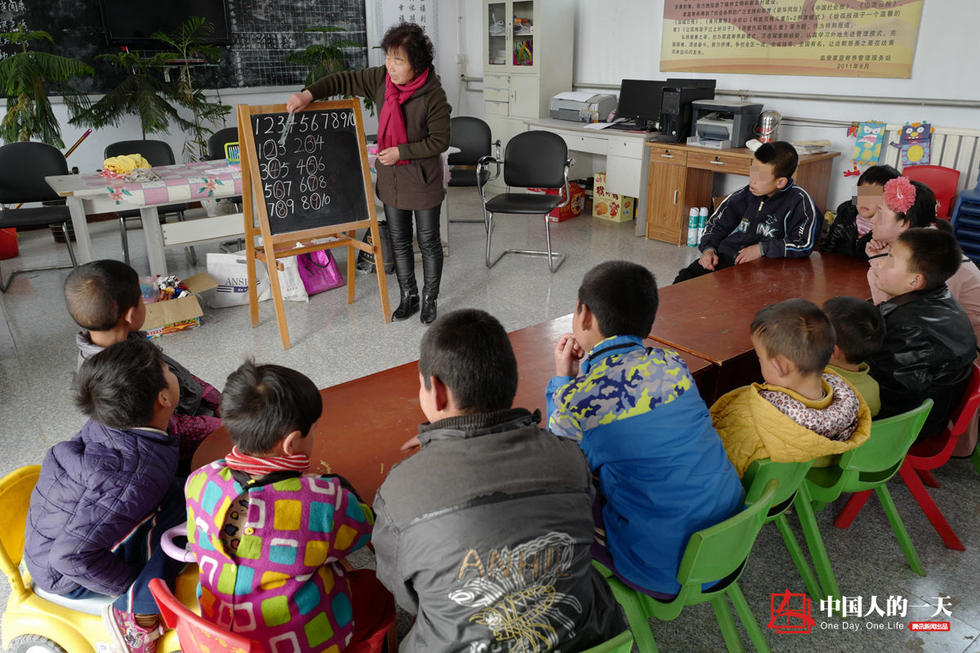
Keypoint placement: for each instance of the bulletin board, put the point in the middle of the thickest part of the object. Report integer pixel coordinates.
(832, 38)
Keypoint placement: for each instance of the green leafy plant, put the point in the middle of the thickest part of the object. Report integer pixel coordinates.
(142, 93)
(26, 78)
(191, 48)
(326, 57)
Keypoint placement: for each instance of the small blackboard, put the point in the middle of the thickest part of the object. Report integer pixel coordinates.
(313, 178)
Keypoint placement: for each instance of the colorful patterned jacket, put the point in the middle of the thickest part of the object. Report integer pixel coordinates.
(662, 469)
(283, 588)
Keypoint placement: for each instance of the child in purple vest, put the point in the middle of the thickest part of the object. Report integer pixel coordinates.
(268, 538)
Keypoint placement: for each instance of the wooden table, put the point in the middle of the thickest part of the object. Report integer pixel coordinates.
(709, 316)
(681, 176)
(366, 420)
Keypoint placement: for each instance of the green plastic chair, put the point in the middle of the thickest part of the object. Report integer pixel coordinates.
(621, 643)
(789, 491)
(869, 467)
(720, 551)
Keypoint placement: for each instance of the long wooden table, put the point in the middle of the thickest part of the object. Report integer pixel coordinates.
(366, 420)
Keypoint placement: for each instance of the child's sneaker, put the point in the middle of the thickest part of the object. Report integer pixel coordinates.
(129, 636)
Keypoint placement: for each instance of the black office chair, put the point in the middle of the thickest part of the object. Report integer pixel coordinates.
(532, 159)
(156, 153)
(472, 136)
(218, 140)
(23, 167)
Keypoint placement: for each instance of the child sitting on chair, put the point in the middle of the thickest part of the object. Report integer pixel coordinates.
(104, 497)
(801, 412)
(860, 332)
(851, 229)
(104, 298)
(268, 537)
(929, 345)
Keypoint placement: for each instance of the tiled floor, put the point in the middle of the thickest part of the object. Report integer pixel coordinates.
(334, 342)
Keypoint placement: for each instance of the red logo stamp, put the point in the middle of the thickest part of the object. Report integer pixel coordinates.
(927, 626)
(790, 613)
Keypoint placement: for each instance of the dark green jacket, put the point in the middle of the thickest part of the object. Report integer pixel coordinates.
(417, 185)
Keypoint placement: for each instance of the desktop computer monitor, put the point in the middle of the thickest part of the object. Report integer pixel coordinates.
(639, 101)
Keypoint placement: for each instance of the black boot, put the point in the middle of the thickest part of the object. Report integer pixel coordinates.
(408, 306)
(428, 315)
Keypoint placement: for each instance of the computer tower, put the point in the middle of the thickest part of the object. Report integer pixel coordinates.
(675, 116)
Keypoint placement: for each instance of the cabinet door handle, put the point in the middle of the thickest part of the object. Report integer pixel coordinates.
(717, 163)
(675, 196)
(667, 156)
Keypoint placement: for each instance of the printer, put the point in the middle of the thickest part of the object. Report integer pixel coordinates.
(582, 106)
(719, 121)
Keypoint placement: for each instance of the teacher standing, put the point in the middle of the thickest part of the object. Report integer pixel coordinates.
(413, 131)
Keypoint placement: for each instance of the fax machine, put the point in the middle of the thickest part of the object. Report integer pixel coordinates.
(582, 106)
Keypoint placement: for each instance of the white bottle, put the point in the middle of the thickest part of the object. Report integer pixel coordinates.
(702, 220)
(692, 228)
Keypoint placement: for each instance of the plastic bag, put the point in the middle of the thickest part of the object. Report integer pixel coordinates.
(319, 271)
(231, 273)
(365, 261)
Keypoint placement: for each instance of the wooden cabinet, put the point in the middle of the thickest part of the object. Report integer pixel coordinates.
(671, 192)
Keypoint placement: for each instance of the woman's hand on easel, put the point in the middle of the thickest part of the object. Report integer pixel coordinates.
(298, 101)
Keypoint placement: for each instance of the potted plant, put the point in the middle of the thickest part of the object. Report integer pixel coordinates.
(326, 57)
(191, 48)
(26, 78)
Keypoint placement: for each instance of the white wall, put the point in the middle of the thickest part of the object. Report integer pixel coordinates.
(616, 39)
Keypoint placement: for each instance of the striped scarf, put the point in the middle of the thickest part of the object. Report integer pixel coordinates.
(263, 465)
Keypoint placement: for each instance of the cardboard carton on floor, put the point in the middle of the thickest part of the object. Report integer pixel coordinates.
(610, 206)
(173, 315)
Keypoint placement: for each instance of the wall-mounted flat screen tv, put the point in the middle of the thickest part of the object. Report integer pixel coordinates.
(133, 22)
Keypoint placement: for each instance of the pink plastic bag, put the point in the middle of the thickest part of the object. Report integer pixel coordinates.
(319, 271)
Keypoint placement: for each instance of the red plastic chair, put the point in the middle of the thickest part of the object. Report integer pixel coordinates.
(196, 635)
(942, 181)
(925, 456)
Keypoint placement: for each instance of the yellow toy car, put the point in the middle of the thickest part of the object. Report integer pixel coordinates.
(38, 622)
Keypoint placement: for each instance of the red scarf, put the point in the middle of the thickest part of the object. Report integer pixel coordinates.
(260, 466)
(391, 122)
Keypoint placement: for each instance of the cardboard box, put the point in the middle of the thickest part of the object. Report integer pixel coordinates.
(173, 315)
(570, 210)
(610, 206)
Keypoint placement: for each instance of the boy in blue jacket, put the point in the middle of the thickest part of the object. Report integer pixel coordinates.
(104, 497)
(661, 468)
(770, 217)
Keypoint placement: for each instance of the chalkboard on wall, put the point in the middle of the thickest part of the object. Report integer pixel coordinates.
(263, 32)
(313, 178)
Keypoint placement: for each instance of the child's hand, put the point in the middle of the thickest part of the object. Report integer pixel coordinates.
(709, 259)
(410, 444)
(750, 253)
(876, 247)
(567, 355)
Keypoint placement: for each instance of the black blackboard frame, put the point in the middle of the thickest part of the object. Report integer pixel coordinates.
(274, 246)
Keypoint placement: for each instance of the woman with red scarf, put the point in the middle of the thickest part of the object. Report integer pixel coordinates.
(413, 131)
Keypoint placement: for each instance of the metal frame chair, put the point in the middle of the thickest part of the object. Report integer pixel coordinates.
(23, 167)
(531, 159)
(473, 138)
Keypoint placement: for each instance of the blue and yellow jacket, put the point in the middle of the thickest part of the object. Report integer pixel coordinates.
(663, 473)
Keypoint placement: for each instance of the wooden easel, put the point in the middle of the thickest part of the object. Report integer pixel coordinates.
(281, 245)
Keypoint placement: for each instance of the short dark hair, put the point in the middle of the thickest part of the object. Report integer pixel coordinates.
(798, 330)
(858, 325)
(98, 293)
(411, 38)
(878, 175)
(118, 386)
(262, 404)
(623, 297)
(933, 253)
(781, 155)
(469, 352)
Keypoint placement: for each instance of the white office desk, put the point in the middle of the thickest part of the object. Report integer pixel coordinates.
(626, 157)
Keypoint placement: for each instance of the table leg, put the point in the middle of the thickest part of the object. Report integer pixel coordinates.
(154, 240)
(83, 243)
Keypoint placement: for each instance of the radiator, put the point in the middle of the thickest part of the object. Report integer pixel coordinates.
(951, 147)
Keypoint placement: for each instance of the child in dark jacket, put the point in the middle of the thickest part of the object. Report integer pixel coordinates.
(104, 497)
(851, 229)
(104, 298)
(770, 217)
(929, 345)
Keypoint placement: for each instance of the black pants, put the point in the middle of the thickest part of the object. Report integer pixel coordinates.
(695, 269)
(427, 229)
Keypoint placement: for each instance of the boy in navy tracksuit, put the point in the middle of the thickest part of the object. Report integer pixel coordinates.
(770, 217)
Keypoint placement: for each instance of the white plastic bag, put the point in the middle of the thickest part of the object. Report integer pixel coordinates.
(231, 273)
